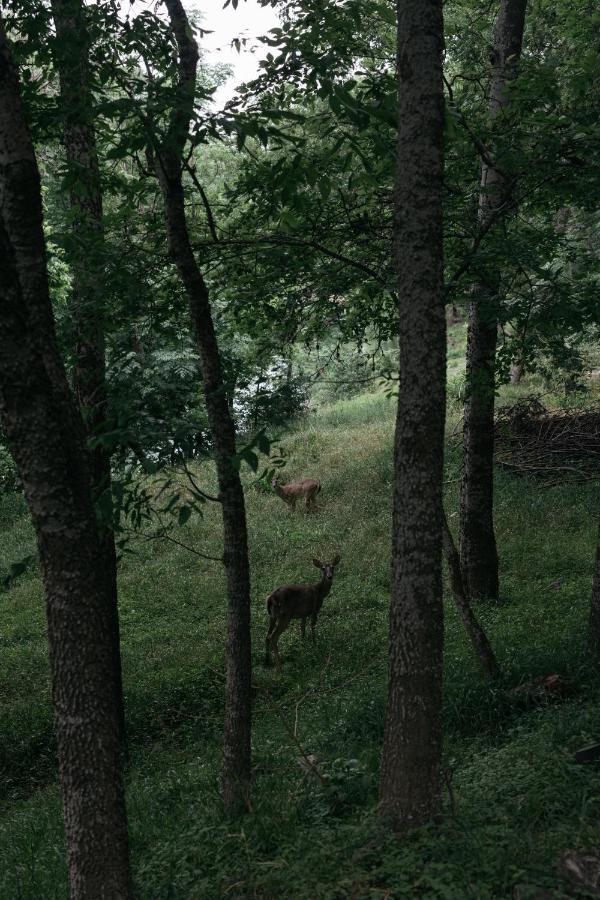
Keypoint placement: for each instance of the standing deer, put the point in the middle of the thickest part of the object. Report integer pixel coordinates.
(304, 487)
(297, 601)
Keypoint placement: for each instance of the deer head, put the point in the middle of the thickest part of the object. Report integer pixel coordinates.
(327, 568)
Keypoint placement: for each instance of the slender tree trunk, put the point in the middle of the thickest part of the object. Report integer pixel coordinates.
(86, 253)
(478, 552)
(475, 632)
(45, 436)
(517, 370)
(256, 396)
(479, 556)
(410, 788)
(594, 623)
(168, 168)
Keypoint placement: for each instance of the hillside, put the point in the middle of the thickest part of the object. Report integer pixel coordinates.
(515, 799)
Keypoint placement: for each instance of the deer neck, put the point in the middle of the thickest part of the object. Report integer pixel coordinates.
(323, 588)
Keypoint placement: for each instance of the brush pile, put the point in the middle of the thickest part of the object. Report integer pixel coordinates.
(552, 445)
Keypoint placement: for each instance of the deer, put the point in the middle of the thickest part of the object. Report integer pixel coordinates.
(297, 601)
(295, 490)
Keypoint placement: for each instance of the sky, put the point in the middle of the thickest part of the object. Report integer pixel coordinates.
(248, 21)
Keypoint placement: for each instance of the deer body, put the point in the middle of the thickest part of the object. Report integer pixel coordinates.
(295, 490)
(297, 601)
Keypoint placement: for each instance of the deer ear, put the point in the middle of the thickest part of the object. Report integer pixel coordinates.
(317, 563)
(336, 560)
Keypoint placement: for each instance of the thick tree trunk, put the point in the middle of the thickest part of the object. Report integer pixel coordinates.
(479, 556)
(410, 788)
(594, 623)
(475, 632)
(168, 167)
(85, 253)
(45, 436)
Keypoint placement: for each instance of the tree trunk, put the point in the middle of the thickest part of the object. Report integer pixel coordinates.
(45, 435)
(168, 167)
(256, 399)
(476, 634)
(479, 556)
(516, 371)
(86, 253)
(594, 623)
(410, 788)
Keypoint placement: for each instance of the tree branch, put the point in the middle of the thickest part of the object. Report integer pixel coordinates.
(199, 490)
(167, 537)
(191, 170)
(315, 245)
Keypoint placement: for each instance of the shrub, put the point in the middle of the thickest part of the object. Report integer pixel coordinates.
(9, 477)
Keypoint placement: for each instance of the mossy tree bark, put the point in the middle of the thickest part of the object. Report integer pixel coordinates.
(410, 786)
(46, 438)
(478, 551)
(167, 160)
(85, 247)
(594, 623)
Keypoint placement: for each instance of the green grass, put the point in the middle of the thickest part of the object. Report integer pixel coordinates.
(517, 800)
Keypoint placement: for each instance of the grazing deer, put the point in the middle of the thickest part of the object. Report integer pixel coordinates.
(304, 487)
(297, 601)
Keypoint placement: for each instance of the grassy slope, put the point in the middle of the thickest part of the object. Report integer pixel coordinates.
(518, 800)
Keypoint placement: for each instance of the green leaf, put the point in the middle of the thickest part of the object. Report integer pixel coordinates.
(324, 186)
(251, 459)
(388, 14)
(184, 514)
(262, 442)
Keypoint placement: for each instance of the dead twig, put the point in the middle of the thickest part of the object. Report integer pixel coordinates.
(550, 445)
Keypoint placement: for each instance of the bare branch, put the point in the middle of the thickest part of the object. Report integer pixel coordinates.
(167, 537)
(199, 490)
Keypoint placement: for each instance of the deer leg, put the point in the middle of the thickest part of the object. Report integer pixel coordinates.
(275, 649)
(272, 626)
(313, 622)
(280, 627)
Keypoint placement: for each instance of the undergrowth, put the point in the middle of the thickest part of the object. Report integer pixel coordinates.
(514, 798)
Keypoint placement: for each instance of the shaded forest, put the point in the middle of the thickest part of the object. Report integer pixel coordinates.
(324, 353)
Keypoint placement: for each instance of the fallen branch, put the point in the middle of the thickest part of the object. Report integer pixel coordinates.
(549, 445)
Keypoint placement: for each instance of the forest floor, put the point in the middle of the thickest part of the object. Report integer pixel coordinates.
(515, 800)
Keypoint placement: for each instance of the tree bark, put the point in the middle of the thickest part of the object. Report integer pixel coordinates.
(517, 370)
(167, 162)
(410, 788)
(478, 551)
(594, 623)
(479, 556)
(86, 259)
(45, 435)
(475, 632)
